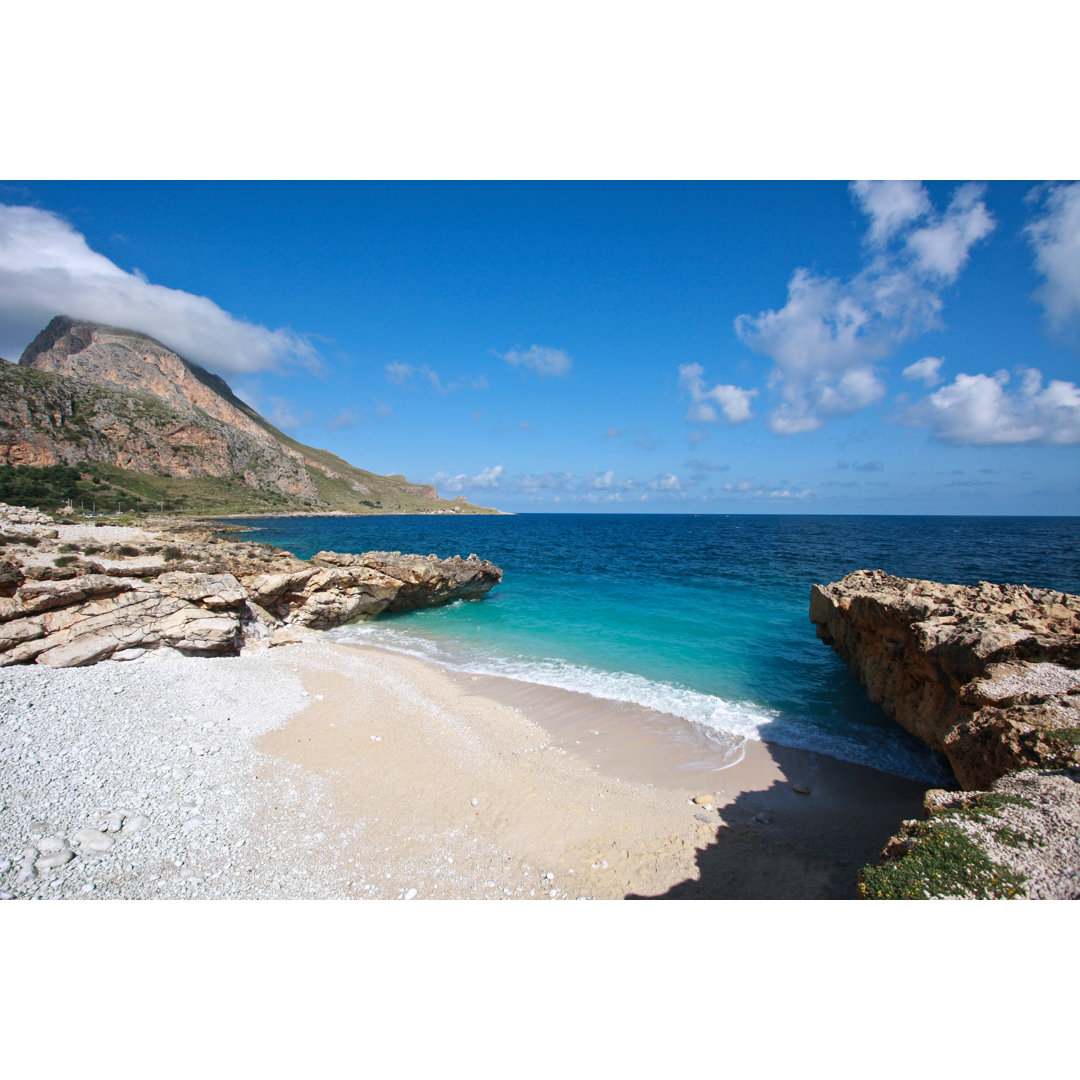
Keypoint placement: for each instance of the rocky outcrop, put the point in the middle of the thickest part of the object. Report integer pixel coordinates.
(89, 393)
(71, 595)
(989, 676)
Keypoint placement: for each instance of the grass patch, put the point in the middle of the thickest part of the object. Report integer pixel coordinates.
(67, 547)
(1065, 737)
(64, 560)
(171, 554)
(943, 862)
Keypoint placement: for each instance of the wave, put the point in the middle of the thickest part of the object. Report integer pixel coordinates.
(741, 719)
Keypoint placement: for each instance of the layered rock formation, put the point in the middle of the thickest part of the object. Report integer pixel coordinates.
(989, 676)
(986, 675)
(71, 595)
(89, 393)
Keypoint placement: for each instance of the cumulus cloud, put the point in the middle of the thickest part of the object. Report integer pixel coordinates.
(47, 268)
(488, 477)
(603, 480)
(538, 358)
(449, 481)
(827, 340)
(733, 401)
(667, 482)
(928, 370)
(891, 205)
(982, 410)
(1055, 239)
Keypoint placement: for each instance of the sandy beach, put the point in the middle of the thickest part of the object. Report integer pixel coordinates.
(322, 770)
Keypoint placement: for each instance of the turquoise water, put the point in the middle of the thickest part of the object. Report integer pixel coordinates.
(702, 616)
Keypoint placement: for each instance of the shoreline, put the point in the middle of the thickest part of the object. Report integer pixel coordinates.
(324, 770)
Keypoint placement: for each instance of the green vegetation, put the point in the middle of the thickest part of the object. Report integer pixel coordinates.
(64, 560)
(1064, 738)
(170, 553)
(50, 487)
(126, 551)
(944, 861)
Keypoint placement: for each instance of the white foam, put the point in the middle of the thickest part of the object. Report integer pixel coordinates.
(741, 719)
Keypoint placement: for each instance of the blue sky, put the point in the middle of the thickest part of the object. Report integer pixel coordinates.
(728, 347)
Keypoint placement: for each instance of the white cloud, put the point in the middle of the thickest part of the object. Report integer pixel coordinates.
(604, 480)
(542, 360)
(928, 369)
(827, 340)
(449, 481)
(667, 482)
(734, 402)
(400, 374)
(488, 477)
(1055, 239)
(941, 248)
(47, 268)
(890, 205)
(979, 410)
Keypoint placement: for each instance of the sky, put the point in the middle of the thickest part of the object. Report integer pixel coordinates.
(814, 347)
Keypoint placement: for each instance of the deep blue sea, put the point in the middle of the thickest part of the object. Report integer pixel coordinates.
(703, 616)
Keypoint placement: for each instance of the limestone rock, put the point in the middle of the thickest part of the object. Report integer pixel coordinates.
(988, 675)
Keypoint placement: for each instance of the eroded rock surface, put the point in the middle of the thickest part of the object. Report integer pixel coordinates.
(67, 604)
(987, 675)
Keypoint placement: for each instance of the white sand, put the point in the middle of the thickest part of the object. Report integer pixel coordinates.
(392, 778)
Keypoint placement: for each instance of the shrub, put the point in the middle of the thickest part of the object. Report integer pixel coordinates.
(68, 547)
(170, 553)
(63, 560)
(126, 551)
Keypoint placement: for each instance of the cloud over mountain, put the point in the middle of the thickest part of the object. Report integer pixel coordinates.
(47, 268)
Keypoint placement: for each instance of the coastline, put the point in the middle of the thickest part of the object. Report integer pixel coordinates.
(325, 770)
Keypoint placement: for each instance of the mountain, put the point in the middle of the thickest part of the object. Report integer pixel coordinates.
(143, 420)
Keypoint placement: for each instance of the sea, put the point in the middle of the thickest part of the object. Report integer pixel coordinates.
(701, 617)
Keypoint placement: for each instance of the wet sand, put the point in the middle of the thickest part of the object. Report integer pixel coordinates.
(480, 787)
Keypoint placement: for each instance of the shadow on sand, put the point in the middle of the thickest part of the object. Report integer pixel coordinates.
(783, 844)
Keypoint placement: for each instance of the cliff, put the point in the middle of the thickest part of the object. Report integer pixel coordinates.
(989, 676)
(73, 595)
(164, 429)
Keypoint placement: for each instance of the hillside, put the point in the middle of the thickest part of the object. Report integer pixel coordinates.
(136, 417)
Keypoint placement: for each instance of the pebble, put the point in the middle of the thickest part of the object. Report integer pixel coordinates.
(135, 824)
(801, 789)
(410, 895)
(475, 802)
(57, 858)
(92, 840)
(703, 800)
(5, 866)
(51, 844)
